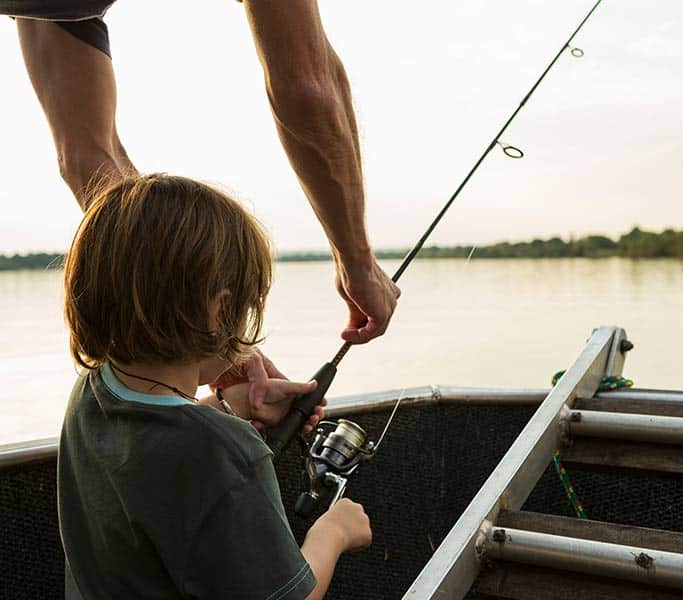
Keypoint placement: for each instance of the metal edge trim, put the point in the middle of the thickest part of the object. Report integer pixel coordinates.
(42, 449)
(26, 452)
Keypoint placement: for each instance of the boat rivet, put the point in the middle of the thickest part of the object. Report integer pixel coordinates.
(575, 417)
(499, 535)
(644, 560)
(625, 346)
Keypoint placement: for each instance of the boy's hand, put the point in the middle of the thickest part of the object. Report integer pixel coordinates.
(280, 393)
(256, 370)
(348, 522)
(260, 373)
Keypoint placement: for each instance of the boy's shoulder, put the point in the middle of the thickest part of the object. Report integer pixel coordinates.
(230, 435)
(129, 434)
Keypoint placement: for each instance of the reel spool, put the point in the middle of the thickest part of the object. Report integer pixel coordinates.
(331, 458)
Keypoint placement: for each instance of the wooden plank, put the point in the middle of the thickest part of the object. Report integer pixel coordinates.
(648, 458)
(642, 407)
(523, 582)
(599, 531)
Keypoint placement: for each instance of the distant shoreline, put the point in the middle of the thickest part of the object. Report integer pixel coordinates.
(635, 244)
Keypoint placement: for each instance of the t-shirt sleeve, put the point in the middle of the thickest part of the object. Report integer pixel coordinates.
(245, 549)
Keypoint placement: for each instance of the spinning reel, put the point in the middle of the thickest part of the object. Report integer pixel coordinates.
(337, 450)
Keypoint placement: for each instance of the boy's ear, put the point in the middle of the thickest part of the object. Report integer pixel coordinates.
(215, 307)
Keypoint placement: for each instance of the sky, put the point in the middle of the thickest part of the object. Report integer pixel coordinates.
(433, 81)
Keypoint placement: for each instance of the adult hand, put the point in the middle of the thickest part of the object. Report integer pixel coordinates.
(371, 297)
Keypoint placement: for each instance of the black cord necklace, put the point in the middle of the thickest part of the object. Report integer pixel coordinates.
(155, 382)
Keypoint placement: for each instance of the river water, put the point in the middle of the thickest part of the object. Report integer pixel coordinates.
(494, 323)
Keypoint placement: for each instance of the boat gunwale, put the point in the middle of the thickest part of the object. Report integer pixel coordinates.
(19, 453)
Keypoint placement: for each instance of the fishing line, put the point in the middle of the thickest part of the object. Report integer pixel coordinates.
(470, 255)
(280, 436)
(390, 419)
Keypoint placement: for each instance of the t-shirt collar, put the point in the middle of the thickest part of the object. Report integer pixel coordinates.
(124, 393)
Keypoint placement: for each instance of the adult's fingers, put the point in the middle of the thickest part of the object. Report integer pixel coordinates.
(271, 369)
(362, 333)
(361, 328)
(371, 297)
(258, 378)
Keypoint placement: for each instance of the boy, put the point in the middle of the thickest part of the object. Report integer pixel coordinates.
(162, 496)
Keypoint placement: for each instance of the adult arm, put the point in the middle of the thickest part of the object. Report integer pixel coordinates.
(75, 85)
(310, 99)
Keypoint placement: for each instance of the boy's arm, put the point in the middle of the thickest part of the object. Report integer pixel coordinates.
(242, 546)
(321, 551)
(342, 528)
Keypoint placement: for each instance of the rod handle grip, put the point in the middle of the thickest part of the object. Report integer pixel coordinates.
(280, 436)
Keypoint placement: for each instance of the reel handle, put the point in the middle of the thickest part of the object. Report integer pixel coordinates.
(306, 505)
(340, 482)
(309, 501)
(280, 436)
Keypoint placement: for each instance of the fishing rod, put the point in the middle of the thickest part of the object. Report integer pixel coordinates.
(336, 453)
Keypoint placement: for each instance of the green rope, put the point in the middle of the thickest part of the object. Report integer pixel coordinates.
(568, 487)
(607, 384)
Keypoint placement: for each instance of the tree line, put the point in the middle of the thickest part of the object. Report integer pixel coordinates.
(41, 260)
(637, 243)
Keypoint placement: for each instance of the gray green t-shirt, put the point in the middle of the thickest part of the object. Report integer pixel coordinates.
(162, 498)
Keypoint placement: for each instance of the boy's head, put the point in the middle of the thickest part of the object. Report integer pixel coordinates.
(165, 269)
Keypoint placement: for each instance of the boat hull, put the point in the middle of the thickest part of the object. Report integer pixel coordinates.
(433, 461)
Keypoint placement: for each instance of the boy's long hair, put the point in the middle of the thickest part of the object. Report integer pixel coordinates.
(150, 255)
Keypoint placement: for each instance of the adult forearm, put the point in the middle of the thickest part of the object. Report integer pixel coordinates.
(317, 127)
(311, 100)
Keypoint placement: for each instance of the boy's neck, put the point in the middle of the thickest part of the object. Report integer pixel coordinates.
(184, 377)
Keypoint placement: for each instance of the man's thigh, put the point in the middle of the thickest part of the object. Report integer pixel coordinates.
(74, 81)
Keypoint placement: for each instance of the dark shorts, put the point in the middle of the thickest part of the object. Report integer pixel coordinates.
(83, 19)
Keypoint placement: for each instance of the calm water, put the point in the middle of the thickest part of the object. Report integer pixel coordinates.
(485, 323)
